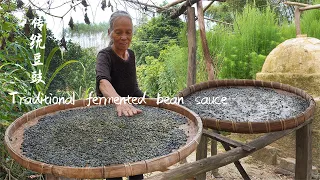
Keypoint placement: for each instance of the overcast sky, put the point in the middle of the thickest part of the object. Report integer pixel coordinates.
(95, 13)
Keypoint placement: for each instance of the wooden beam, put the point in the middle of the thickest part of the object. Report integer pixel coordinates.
(206, 53)
(192, 48)
(144, 4)
(207, 7)
(170, 4)
(310, 7)
(214, 162)
(228, 141)
(303, 6)
(238, 165)
(296, 4)
(183, 8)
(303, 153)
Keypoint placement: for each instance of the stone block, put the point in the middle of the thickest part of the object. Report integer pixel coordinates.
(290, 163)
(267, 155)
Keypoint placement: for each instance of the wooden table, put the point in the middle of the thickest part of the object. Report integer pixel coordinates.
(200, 167)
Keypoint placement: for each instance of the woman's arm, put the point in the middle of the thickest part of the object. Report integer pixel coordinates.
(107, 90)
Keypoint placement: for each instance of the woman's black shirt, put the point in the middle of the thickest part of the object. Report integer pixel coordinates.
(120, 73)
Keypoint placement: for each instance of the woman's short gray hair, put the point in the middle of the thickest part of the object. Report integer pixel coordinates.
(117, 14)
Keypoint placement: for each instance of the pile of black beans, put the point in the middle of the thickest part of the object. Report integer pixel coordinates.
(96, 136)
(254, 104)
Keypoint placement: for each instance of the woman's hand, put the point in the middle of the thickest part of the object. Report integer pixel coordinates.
(122, 107)
(127, 109)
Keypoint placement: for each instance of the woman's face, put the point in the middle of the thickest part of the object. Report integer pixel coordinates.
(122, 33)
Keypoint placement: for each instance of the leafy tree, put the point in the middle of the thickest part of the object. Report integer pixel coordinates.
(150, 38)
(82, 75)
(220, 11)
(165, 75)
(148, 75)
(51, 43)
(13, 77)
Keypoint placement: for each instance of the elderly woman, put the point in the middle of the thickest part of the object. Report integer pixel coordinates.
(116, 70)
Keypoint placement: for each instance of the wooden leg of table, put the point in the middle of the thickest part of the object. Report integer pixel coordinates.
(303, 153)
(52, 177)
(214, 151)
(202, 153)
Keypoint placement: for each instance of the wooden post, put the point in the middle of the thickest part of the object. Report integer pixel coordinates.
(201, 154)
(206, 53)
(303, 153)
(192, 48)
(297, 20)
(214, 151)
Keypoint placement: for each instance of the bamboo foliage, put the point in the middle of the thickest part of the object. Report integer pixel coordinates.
(310, 22)
(255, 33)
(243, 48)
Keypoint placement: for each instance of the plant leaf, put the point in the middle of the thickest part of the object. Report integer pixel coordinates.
(56, 72)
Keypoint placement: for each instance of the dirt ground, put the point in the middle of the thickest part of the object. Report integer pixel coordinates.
(255, 169)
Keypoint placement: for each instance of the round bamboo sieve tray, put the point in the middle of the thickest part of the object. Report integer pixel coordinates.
(252, 126)
(14, 139)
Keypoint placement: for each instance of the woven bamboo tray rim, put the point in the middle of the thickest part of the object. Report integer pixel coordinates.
(253, 127)
(121, 170)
